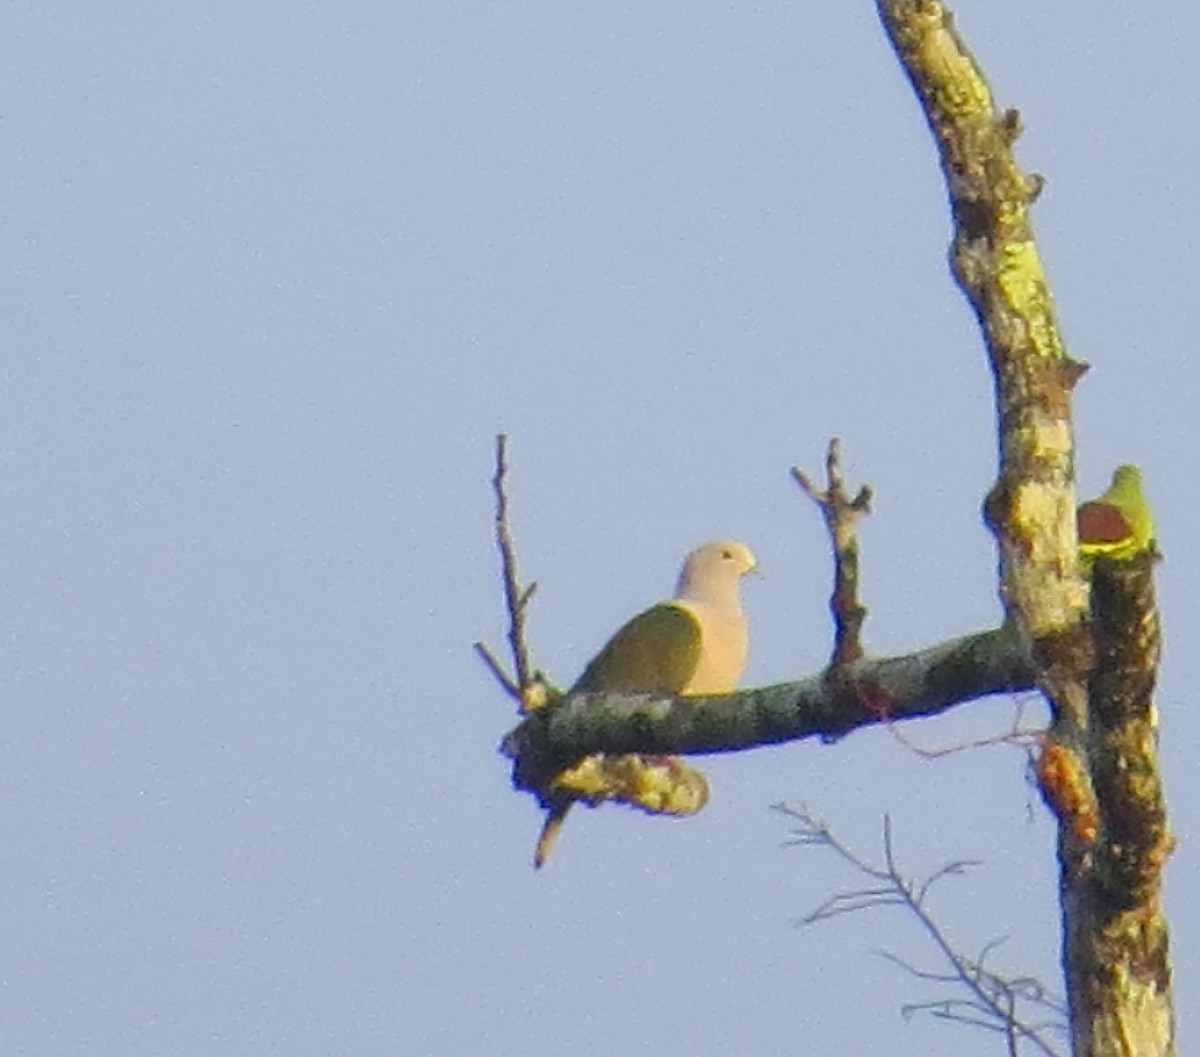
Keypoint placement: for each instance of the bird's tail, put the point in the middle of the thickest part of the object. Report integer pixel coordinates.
(555, 817)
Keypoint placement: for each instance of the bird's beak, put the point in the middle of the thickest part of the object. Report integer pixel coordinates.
(756, 570)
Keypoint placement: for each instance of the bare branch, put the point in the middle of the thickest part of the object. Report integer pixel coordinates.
(515, 597)
(866, 693)
(1023, 737)
(525, 685)
(1096, 659)
(912, 970)
(808, 829)
(953, 869)
(993, 999)
(497, 670)
(848, 902)
(841, 515)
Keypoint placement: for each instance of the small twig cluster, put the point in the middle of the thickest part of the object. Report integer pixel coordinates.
(994, 1002)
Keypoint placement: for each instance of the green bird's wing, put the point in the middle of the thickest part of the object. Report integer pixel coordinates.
(1102, 523)
(656, 652)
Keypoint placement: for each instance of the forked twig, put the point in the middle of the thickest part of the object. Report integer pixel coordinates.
(841, 515)
(522, 683)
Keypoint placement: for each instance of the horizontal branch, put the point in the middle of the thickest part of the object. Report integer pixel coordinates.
(828, 706)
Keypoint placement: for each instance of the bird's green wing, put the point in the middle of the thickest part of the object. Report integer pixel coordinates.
(656, 652)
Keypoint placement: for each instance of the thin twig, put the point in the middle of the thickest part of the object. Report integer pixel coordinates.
(1025, 738)
(497, 669)
(515, 598)
(522, 684)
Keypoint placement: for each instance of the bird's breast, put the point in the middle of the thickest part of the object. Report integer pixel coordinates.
(724, 651)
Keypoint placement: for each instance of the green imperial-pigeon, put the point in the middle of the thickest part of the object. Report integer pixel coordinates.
(1119, 523)
(694, 644)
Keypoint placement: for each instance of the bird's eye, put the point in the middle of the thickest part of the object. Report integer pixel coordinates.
(727, 555)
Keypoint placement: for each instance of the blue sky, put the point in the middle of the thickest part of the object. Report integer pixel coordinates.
(275, 276)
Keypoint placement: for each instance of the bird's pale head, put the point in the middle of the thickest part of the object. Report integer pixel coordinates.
(714, 570)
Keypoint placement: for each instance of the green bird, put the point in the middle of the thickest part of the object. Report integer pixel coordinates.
(1119, 524)
(694, 644)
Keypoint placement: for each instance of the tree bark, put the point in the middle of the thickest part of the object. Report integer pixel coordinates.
(1098, 770)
